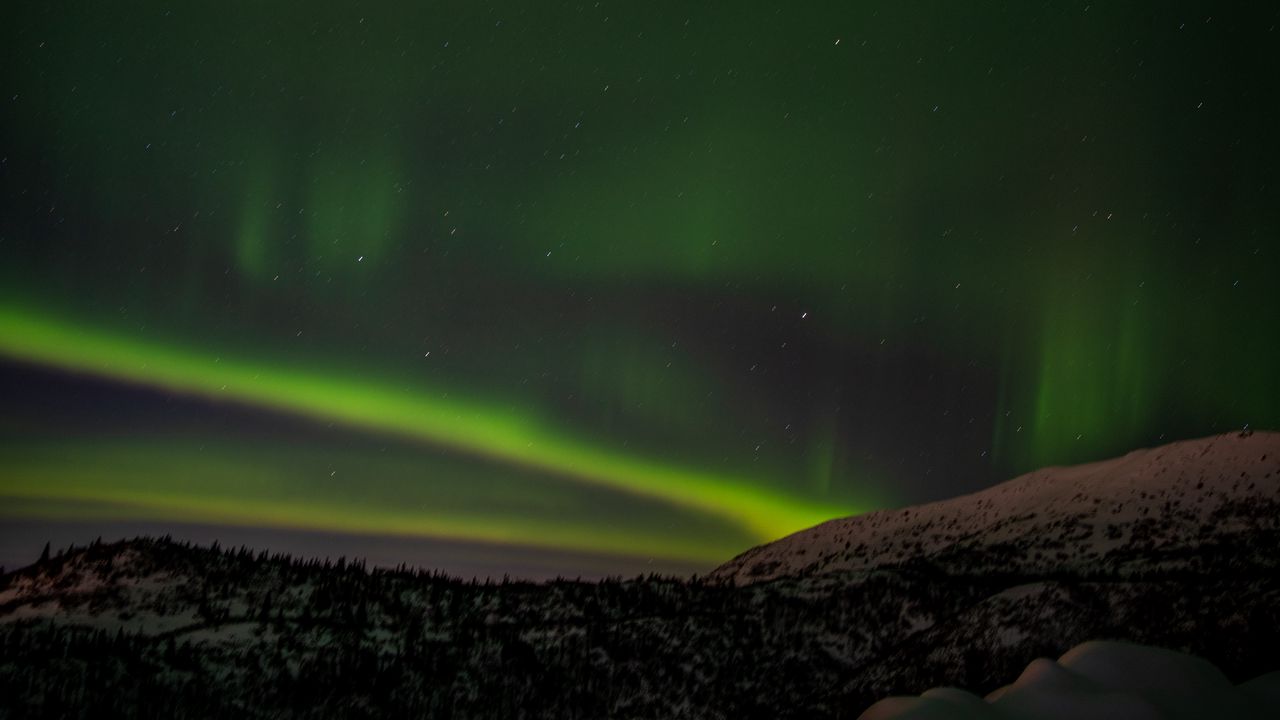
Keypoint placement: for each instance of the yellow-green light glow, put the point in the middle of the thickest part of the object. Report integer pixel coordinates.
(216, 490)
(497, 434)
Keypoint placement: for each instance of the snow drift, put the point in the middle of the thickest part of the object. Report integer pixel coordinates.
(1101, 680)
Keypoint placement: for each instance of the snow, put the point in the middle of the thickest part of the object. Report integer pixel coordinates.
(1101, 680)
(1094, 516)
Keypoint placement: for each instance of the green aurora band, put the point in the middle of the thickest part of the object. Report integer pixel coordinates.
(481, 430)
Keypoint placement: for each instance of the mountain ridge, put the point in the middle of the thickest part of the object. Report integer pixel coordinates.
(1098, 515)
(949, 597)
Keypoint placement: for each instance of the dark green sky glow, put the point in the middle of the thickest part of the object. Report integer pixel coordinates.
(641, 280)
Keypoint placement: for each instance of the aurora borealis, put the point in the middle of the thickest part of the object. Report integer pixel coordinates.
(637, 281)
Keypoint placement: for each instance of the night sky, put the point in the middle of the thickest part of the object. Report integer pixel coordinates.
(589, 287)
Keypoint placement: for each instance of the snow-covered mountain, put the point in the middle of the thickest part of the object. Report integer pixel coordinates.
(1175, 547)
(1195, 506)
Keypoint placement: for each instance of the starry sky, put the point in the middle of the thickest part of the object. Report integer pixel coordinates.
(588, 288)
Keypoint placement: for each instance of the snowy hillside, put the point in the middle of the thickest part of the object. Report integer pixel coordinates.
(1174, 547)
(1189, 506)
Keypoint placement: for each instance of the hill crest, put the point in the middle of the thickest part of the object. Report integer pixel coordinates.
(1180, 505)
